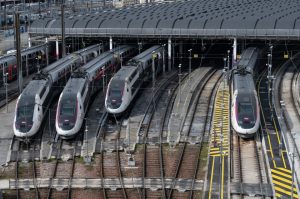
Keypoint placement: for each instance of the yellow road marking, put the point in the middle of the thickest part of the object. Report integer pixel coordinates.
(272, 155)
(264, 119)
(284, 185)
(279, 142)
(285, 192)
(282, 179)
(281, 173)
(285, 170)
(283, 159)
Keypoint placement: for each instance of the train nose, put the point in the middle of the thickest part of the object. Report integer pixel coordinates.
(115, 103)
(246, 120)
(24, 126)
(67, 124)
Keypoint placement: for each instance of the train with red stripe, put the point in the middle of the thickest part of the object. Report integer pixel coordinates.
(245, 111)
(34, 101)
(84, 83)
(32, 58)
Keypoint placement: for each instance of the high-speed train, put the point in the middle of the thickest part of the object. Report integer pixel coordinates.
(126, 83)
(8, 63)
(245, 114)
(74, 100)
(35, 99)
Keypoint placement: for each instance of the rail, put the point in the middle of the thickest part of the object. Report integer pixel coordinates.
(191, 107)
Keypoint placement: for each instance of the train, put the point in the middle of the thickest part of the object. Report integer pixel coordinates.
(31, 58)
(35, 99)
(86, 81)
(125, 84)
(245, 111)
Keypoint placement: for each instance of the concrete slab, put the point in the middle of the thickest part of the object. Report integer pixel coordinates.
(96, 114)
(181, 104)
(108, 183)
(6, 129)
(6, 120)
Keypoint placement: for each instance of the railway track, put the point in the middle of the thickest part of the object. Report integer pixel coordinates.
(186, 165)
(12, 94)
(151, 128)
(277, 156)
(110, 158)
(247, 166)
(247, 161)
(287, 92)
(63, 166)
(25, 167)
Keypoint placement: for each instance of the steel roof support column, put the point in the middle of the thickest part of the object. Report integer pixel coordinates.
(169, 54)
(26, 65)
(29, 41)
(234, 50)
(47, 51)
(56, 49)
(180, 51)
(63, 46)
(164, 59)
(18, 48)
(110, 43)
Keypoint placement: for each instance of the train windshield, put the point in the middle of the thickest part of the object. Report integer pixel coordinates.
(115, 93)
(25, 111)
(25, 107)
(246, 110)
(24, 115)
(67, 111)
(68, 106)
(116, 89)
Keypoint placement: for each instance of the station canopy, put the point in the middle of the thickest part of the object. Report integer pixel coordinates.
(257, 19)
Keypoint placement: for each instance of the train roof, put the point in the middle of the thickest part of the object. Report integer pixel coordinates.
(248, 59)
(34, 87)
(243, 83)
(88, 49)
(33, 49)
(124, 72)
(65, 61)
(6, 58)
(93, 65)
(73, 86)
(145, 54)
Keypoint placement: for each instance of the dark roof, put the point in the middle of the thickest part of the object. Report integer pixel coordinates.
(255, 18)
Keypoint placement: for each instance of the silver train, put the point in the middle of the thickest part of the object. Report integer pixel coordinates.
(35, 99)
(245, 114)
(126, 83)
(74, 100)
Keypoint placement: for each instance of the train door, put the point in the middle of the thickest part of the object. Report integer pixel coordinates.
(9, 71)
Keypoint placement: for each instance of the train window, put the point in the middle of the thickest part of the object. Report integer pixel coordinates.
(25, 111)
(134, 74)
(244, 107)
(68, 108)
(84, 88)
(42, 92)
(25, 107)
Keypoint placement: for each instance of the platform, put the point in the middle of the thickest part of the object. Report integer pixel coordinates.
(6, 129)
(182, 102)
